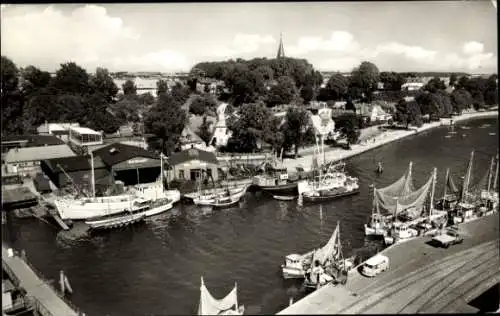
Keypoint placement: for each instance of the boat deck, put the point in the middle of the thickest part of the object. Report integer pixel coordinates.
(421, 278)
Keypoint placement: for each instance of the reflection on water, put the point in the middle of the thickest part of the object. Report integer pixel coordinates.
(155, 268)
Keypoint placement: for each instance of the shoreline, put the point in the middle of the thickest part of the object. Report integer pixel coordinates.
(337, 154)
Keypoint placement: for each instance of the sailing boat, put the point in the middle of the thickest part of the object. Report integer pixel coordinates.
(220, 198)
(450, 193)
(151, 195)
(208, 305)
(464, 210)
(409, 212)
(296, 265)
(329, 263)
(489, 196)
(379, 223)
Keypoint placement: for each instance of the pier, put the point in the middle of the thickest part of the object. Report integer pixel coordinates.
(47, 302)
(421, 278)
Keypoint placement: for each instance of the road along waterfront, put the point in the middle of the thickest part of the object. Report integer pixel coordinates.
(155, 268)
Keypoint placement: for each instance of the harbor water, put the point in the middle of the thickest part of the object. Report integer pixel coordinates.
(155, 268)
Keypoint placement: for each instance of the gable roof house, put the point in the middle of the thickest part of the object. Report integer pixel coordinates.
(130, 164)
(187, 164)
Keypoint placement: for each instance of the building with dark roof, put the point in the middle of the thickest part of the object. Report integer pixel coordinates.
(129, 164)
(78, 168)
(188, 164)
(19, 141)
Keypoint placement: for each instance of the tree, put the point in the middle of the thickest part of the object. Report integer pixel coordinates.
(392, 81)
(129, 88)
(146, 99)
(254, 123)
(203, 105)
(192, 83)
(435, 85)
(348, 124)
(364, 79)
(161, 87)
(266, 72)
(204, 130)
(349, 106)
(307, 93)
(166, 120)
(33, 80)
(73, 79)
(460, 100)
(283, 92)
(336, 87)
(402, 115)
(453, 79)
(295, 127)
(11, 97)
(103, 83)
(180, 93)
(491, 90)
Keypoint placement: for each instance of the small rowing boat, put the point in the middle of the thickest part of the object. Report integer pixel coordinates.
(284, 197)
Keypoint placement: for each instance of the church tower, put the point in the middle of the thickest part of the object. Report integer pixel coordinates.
(281, 51)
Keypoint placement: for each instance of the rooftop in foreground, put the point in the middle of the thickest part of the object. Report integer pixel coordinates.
(421, 278)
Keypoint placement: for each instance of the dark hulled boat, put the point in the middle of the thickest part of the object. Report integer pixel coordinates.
(328, 195)
(275, 180)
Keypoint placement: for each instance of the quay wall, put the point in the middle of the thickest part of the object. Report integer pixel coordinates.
(337, 154)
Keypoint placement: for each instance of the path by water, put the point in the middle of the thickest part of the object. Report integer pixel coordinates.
(155, 268)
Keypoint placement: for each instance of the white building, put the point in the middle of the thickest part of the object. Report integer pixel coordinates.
(412, 86)
(221, 132)
(60, 130)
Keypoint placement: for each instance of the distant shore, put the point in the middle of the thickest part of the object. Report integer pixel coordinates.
(336, 154)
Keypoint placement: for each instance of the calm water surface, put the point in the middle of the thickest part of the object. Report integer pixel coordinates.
(155, 269)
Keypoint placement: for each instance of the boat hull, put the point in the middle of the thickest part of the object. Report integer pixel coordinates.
(311, 198)
(292, 273)
(370, 231)
(284, 198)
(281, 189)
(223, 202)
(116, 222)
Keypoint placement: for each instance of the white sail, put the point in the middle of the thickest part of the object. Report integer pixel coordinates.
(209, 305)
(403, 186)
(329, 250)
(414, 199)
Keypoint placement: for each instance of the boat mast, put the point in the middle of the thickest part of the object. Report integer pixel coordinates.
(490, 173)
(467, 177)
(445, 184)
(431, 207)
(92, 173)
(496, 176)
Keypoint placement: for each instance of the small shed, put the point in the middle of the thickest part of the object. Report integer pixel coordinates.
(17, 198)
(41, 183)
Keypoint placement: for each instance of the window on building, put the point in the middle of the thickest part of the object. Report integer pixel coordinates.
(209, 173)
(181, 174)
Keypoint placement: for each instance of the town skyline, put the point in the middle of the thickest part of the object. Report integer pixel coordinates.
(446, 36)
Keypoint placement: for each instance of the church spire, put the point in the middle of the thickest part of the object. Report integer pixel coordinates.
(281, 51)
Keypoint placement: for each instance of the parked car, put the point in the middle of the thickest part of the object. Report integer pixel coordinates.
(451, 237)
(375, 265)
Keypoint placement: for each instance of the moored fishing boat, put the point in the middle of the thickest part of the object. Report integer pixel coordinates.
(208, 305)
(296, 265)
(225, 198)
(349, 187)
(383, 209)
(275, 179)
(329, 264)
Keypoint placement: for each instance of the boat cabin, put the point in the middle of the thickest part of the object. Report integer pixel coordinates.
(293, 261)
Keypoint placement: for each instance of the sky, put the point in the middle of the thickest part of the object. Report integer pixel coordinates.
(332, 36)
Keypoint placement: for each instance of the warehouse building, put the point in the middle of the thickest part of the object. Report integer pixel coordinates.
(188, 165)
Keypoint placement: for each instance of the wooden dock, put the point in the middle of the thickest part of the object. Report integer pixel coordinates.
(48, 302)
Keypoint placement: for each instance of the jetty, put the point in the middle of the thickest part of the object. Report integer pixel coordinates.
(421, 278)
(47, 301)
